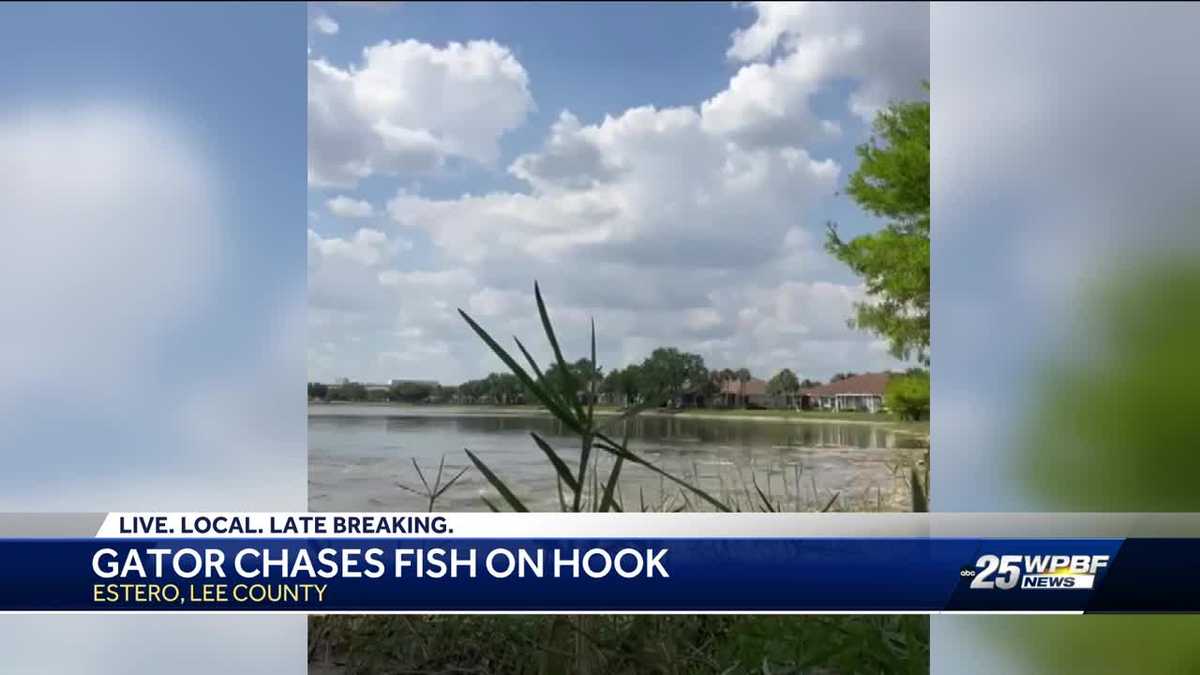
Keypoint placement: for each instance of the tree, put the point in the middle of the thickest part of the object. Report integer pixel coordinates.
(667, 372)
(351, 391)
(892, 181)
(908, 395)
(622, 384)
(743, 376)
(502, 388)
(319, 391)
(411, 392)
(785, 384)
(630, 380)
(710, 387)
(507, 388)
(580, 372)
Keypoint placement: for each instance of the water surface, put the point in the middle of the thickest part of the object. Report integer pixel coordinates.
(358, 454)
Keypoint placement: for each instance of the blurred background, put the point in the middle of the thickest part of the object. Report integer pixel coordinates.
(1066, 289)
(153, 295)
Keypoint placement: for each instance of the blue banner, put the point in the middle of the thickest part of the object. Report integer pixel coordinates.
(725, 574)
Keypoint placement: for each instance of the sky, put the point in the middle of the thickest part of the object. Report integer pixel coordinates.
(666, 169)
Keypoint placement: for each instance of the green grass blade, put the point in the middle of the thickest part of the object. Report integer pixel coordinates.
(829, 504)
(766, 502)
(570, 386)
(420, 474)
(592, 379)
(492, 478)
(585, 451)
(451, 482)
(610, 446)
(438, 479)
(541, 377)
(920, 501)
(562, 501)
(564, 471)
(551, 404)
(609, 488)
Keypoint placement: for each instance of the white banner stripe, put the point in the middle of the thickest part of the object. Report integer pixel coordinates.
(508, 525)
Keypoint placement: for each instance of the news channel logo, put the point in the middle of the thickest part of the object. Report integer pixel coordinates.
(1035, 572)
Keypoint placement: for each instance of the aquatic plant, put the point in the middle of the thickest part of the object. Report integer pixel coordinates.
(560, 391)
(437, 489)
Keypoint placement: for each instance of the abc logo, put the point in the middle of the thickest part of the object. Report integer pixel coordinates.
(966, 572)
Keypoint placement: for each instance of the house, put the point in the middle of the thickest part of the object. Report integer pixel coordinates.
(861, 393)
(751, 394)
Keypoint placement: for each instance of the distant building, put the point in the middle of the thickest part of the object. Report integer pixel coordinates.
(862, 393)
(751, 393)
(431, 383)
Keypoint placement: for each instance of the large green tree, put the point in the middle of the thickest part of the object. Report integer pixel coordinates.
(908, 395)
(784, 384)
(350, 391)
(411, 392)
(627, 383)
(668, 371)
(892, 182)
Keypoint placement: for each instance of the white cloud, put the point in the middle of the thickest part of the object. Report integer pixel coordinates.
(325, 24)
(794, 49)
(364, 312)
(683, 226)
(651, 186)
(490, 302)
(367, 247)
(347, 207)
(408, 106)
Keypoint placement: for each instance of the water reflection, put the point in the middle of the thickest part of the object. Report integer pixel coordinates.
(357, 454)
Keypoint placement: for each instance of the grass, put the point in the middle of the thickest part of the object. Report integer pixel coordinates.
(808, 416)
(772, 415)
(666, 645)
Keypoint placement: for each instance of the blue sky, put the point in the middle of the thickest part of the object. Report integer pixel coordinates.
(665, 168)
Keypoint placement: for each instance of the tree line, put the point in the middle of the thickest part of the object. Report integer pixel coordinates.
(666, 375)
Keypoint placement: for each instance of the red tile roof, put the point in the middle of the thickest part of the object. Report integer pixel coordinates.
(754, 387)
(867, 383)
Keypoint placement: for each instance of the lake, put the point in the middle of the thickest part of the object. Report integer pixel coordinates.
(358, 454)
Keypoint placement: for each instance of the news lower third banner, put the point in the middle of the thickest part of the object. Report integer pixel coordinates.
(321, 563)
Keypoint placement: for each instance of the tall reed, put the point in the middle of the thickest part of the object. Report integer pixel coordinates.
(561, 395)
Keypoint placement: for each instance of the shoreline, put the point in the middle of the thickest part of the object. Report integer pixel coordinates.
(898, 426)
